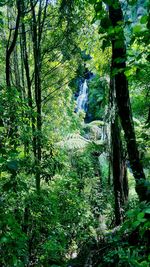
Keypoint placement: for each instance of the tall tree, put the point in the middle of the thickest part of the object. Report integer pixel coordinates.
(25, 59)
(123, 99)
(37, 27)
(11, 43)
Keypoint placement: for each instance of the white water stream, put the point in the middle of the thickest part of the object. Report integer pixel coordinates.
(83, 97)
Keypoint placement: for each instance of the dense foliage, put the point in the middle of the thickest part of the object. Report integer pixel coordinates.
(74, 183)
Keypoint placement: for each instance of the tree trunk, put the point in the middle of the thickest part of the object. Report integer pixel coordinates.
(148, 117)
(29, 91)
(119, 171)
(120, 181)
(17, 72)
(37, 30)
(10, 47)
(12, 127)
(123, 100)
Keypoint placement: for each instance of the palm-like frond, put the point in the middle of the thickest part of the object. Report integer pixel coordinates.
(73, 142)
(97, 123)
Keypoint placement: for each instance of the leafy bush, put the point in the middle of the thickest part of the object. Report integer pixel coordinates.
(129, 246)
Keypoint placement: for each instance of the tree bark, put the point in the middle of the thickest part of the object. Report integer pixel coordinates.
(37, 30)
(123, 100)
(12, 127)
(120, 180)
(37, 84)
(119, 172)
(17, 71)
(10, 47)
(29, 91)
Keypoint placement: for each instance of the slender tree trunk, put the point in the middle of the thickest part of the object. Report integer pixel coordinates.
(29, 91)
(22, 69)
(37, 29)
(11, 43)
(10, 47)
(37, 82)
(23, 87)
(116, 171)
(17, 71)
(148, 117)
(123, 100)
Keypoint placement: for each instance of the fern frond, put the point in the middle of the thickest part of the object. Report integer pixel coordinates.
(73, 142)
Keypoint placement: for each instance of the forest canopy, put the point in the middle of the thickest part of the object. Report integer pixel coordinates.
(74, 133)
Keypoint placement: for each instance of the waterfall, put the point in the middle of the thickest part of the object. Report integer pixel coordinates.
(82, 98)
(53, 2)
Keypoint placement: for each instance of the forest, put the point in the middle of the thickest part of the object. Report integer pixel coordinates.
(74, 133)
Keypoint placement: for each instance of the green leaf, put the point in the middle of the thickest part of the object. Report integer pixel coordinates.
(136, 223)
(140, 216)
(144, 19)
(3, 240)
(111, 30)
(137, 28)
(120, 22)
(144, 264)
(147, 210)
(13, 165)
(130, 213)
(130, 71)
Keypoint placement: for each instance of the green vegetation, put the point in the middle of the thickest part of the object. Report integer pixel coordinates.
(74, 186)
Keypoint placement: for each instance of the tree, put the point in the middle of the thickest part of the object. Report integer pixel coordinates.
(123, 99)
(11, 43)
(37, 27)
(111, 26)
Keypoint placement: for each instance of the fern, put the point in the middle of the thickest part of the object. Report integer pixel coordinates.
(73, 142)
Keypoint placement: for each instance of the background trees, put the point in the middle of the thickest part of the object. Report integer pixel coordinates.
(64, 182)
